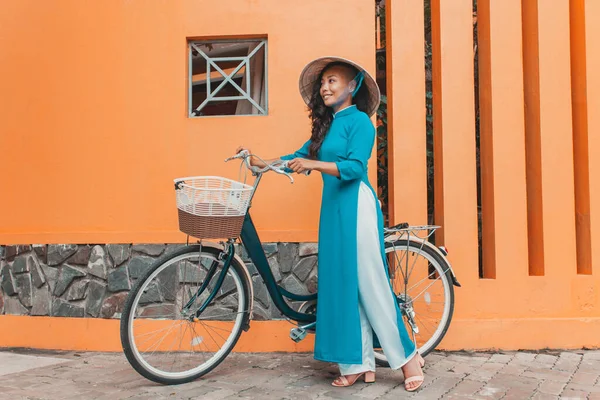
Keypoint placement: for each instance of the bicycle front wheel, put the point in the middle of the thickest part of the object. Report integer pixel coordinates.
(162, 337)
(422, 284)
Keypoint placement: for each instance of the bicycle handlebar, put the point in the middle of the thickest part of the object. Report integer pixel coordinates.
(278, 166)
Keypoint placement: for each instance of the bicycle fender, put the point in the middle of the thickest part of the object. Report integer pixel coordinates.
(218, 246)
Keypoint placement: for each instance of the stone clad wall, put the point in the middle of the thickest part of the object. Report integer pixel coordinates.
(92, 281)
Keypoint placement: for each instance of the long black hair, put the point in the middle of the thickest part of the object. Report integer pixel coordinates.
(321, 116)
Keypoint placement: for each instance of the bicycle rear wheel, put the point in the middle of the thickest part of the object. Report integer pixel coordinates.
(422, 283)
(161, 336)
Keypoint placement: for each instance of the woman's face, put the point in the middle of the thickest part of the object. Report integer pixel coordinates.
(336, 87)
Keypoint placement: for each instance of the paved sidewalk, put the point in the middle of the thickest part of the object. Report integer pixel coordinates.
(516, 375)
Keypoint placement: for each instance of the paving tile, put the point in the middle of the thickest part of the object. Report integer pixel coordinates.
(461, 375)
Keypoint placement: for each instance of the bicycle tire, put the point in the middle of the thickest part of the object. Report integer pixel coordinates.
(125, 330)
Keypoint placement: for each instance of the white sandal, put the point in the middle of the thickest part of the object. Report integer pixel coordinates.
(369, 377)
(418, 378)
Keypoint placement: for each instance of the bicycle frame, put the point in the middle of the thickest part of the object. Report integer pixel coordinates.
(253, 246)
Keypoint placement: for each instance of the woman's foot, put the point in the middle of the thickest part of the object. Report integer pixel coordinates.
(349, 380)
(413, 374)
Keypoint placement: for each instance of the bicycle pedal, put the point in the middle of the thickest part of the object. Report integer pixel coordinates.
(297, 334)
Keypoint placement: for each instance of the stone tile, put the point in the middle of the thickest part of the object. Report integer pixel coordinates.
(274, 266)
(437, 387)
(112, 305)
(77, 290)
(119, 253)
(377, 389)
(25, 293)
(308, 249)
(461, 358)
(464, 368)
(11, 363)
(51, 276)
(545, 373)
(57, 253)
(37, 277)
(139, 265)
(524, 357)
(293, 285)
(13, 306)
(492, 366)
(149, 249)
(513, 369)
(546, 359)
(510, 381)
(304, 267)
(570, 394)
(492, 392)
(584, 388)
(65, 277)
(518, 394)
(8, 281)
(95, 295)
(592, 355)
(544, 396)
(118, 280)
(566, 364)
(269, 248)
(467, 387)
(589, 366)
(41, 301)
(287, 256)
(20, 265)
(585, 378)
(575, 356)
(501, 358)
(82, 256)
(552, 387)
(61, 308)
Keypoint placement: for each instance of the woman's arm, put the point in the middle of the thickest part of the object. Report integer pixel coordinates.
(300, 153)
(361, 139)
(300, 165)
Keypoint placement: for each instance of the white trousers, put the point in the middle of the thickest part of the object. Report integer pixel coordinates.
(376, 302)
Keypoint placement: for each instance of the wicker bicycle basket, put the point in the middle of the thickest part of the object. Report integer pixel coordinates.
(211, 207)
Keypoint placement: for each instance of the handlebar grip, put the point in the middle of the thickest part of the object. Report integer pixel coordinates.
(285, 166)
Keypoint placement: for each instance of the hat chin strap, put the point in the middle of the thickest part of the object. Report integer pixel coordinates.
(359, 80)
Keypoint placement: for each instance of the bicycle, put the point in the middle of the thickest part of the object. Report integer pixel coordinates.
(186, 313)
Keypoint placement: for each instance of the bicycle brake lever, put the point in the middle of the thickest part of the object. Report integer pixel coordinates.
(282, 171)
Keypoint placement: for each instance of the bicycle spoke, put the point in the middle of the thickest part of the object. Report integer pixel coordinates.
(216, 333)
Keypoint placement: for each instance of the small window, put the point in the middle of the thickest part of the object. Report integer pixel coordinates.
(228, 77)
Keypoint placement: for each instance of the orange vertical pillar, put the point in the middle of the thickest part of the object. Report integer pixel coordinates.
(502, 139)
(406, 111)
(454, 133)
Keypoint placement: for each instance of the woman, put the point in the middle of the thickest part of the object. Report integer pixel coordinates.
(355, 296)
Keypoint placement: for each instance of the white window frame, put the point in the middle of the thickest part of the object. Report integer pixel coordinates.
(212, 94)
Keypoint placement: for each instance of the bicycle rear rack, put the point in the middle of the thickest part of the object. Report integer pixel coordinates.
(405, 231)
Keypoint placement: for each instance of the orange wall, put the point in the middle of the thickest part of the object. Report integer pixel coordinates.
(539, 135)
(96, 127)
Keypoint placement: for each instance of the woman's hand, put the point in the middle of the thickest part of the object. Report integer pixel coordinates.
(242, 148)
(299, 165)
